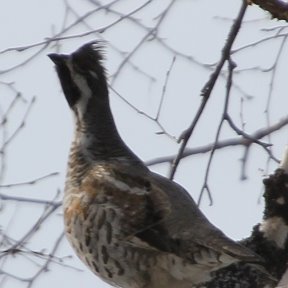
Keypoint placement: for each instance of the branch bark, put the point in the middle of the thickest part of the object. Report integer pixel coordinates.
(268, 239)
(277, 8)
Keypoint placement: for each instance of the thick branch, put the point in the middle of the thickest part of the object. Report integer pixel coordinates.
(277, 8)
(269, 239)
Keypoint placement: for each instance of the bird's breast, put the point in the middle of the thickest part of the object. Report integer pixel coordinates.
(92, 232)
(103, 216)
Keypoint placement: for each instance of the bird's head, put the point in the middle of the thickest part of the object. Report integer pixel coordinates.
(82, 76)
(83, 80)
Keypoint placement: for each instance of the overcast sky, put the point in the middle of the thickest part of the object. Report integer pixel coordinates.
(42, 146)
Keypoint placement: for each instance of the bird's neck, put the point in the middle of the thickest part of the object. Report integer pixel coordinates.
(97, 138)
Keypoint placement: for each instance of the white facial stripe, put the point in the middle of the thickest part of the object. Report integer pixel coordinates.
(85, 90)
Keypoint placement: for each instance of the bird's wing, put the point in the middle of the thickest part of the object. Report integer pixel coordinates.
(161, 215)
(187, 223)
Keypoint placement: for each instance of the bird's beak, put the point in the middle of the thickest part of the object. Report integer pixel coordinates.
(57, 59)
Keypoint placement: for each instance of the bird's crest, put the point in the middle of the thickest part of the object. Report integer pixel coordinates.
(89, 58)
(82, 75)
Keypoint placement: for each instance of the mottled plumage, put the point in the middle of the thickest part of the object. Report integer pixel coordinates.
(132, 227)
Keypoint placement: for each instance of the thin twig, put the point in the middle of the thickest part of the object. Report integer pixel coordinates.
(239, 141)
(208, 87)
(30, 182)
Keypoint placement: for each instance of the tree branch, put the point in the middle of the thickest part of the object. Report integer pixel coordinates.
(208, 87)
(277, 8)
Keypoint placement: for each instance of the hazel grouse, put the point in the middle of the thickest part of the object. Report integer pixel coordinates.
(132, 227)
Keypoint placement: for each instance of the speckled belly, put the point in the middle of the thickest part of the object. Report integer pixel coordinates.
(95, 235)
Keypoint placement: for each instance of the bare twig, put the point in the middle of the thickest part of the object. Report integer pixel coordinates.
(205, 187)
(239, 141)
(207, 89)
(31, 182)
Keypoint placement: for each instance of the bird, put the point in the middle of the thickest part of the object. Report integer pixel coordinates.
(132, 227)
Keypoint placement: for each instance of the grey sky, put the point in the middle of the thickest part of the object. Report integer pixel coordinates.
(42, 146)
